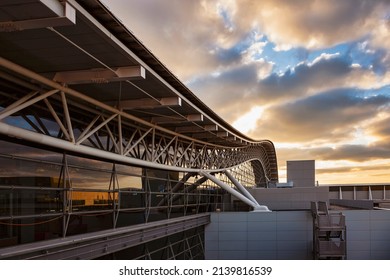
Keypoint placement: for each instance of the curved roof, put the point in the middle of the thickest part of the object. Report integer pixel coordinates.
(94, 53)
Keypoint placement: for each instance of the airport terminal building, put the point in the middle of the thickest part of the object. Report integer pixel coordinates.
(105, 154)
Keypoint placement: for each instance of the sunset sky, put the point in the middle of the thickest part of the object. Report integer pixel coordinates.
(311, 76)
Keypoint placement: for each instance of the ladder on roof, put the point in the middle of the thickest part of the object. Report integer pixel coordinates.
(329, 233)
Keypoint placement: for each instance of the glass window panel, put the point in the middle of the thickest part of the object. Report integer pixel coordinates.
(88, 163)
(130, 218)
(29, 167)
(132, 199)
(128, 182)
(129, 170)
(5, 202)
(90, 201)
(29, 202)
(84, 223)
(89, 179)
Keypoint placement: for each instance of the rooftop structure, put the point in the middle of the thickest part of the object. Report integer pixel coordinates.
(98, 136)
(105, 153)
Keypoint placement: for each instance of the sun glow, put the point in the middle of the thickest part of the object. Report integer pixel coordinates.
(247, 122)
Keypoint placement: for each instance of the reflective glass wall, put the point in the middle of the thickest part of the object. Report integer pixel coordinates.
(47, 194)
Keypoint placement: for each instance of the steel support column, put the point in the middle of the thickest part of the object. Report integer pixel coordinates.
(255, 205)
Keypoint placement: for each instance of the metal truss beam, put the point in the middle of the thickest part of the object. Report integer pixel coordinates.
(147, 103)
(100, 75)
(94, 245)
(174, 119)
(112, 134)
(196, 129)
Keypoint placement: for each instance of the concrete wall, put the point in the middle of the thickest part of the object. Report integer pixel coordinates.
(262, 236)
(301, 172)
(287, 235)
(290, 198)
(368, 234)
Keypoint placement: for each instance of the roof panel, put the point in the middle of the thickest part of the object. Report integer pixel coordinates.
(11, 10)
(85, 46)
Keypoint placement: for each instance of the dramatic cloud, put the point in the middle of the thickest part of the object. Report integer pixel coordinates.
(326, 72)
(191, 37)
(312, 24)
(304, 79)
(223, 91)
(381, 128)
(236, 88)
(312, 76)
(333, 114)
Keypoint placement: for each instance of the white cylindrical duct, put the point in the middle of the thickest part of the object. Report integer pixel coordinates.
(256, 206)
(242, 189)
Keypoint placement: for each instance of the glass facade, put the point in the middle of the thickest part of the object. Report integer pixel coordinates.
(46, 194)
(186, 245)
(74, 154)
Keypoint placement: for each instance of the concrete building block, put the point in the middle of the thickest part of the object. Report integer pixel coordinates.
(211, 236)
(292, 216)
(357, 225)
(292, 255)
(262, 226)
(291, 226)
(359, 245)
(233, 226)
(279, 205)
(358, 235)
(301, 172)
(262, 255)
(380, 255)
(358, 255)
(356, 215)
(294, 235)
(233, 217)
(290, 198)
(379, 245)
(214, 217)
(380, 215)
(380, 225)
(261, 235)
(233, 255)
(232, 235)
(292, 245)
(235, 245)
(262, 245)
(261, 216)
(288, 235)
(212, 245)
(380, 235)
(211, 255)
(213, 226)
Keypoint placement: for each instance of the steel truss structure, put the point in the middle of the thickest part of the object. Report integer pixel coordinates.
(86, 87)
(83, 125)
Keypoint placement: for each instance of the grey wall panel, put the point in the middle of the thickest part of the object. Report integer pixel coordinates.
(288, 235)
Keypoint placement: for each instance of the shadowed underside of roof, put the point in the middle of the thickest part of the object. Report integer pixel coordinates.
(83, 46)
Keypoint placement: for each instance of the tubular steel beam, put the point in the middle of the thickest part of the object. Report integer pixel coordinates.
(205, 155)
(97, 244)
(100, 75)
(15, 108)
(146, 103)
(242, 189)
(255, 205)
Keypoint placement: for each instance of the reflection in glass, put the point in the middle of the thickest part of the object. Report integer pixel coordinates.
(44, 194)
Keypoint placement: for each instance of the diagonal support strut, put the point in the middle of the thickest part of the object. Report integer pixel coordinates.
(256, 206)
